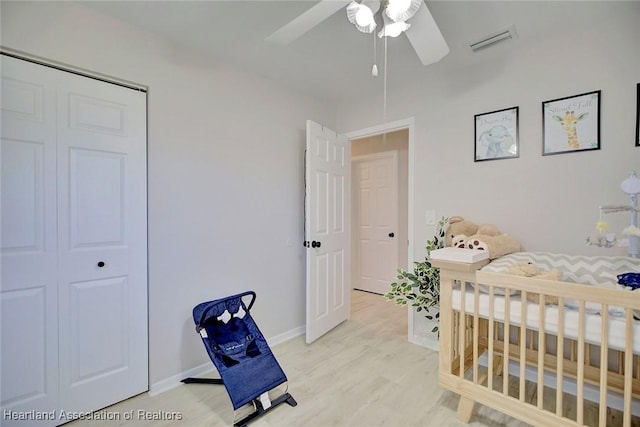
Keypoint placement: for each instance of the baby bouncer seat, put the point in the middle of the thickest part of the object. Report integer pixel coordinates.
(240, 353)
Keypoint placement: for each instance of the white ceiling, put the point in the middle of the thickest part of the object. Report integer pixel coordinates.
(333, 60)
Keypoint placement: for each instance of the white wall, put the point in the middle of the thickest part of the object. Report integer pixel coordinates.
(550, 203)
(225, 155)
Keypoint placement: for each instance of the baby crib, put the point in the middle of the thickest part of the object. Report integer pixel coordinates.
(495, 341)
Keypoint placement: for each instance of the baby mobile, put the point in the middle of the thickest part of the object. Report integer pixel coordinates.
(631, 187)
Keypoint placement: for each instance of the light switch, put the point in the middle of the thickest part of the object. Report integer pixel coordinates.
(430, 217)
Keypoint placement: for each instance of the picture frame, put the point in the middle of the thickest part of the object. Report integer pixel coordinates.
(638, 115)
(571, 124)
(496, 135)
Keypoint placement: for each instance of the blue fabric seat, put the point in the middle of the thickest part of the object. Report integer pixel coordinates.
(240, 353)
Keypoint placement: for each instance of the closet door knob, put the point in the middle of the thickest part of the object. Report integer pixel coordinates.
(392, 234)
(100, 264)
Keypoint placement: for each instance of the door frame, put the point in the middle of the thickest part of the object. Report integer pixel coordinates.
(409, 124)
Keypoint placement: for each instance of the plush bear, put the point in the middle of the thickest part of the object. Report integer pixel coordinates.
(488, 230)
(467, 234)
(528, 269)
(459, 230)
(497, 245)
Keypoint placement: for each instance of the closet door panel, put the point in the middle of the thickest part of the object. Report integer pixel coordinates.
(28, 292)
(102, 250)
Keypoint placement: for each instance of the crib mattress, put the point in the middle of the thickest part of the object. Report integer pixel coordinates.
(593, 320)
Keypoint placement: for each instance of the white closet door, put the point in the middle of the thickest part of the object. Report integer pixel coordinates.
(28, 293)
(74, 235)
(102, 242)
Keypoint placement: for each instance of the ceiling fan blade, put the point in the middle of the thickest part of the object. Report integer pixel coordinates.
(305, 22)
(426, 38)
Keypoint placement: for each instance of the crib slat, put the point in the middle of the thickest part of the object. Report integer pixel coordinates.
(462, 327)
(580, 391)
(628, 368)
(523, 342)
(532, 339)
(542, 346)
(476, 304)
(505, 359)
(620, 363)
(560, 352)
(491, 334)
(604, 364)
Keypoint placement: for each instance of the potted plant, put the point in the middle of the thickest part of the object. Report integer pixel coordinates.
(421, 287)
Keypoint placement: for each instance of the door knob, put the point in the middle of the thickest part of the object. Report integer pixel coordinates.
(100, 264)
(392, 234)
(315, 244)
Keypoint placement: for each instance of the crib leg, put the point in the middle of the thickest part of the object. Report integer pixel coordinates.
(465, 409)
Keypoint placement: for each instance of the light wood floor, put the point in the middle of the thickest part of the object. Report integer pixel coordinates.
(363, 373)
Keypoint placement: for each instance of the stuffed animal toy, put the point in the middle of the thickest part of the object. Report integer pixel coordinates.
(528, 269)
(488, 230)
(467, 234)
(459, 230)
(498, 246)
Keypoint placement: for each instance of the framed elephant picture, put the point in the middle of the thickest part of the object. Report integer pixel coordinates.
(496, 135)
(571, 124)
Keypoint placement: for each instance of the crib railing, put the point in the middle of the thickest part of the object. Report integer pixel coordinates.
(505, 362)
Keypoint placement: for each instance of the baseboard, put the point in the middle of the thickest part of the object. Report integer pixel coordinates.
(418, 327)
(175, 380)
(422, 341)
(286, 336)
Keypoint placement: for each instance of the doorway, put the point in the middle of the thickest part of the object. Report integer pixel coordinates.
(379, 209)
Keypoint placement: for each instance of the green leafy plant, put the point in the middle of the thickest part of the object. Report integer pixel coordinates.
(421, 287)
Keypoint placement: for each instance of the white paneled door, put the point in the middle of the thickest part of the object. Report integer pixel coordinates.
(327, 225)
(376, 209)
(74, 236)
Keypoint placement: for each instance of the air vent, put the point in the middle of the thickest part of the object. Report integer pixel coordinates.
(493, 38)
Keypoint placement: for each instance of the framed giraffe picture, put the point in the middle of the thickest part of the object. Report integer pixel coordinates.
(571, 124)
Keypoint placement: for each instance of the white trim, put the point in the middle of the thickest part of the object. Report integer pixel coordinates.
(408, 123)
(383, 128)
(286, 336)
(390, 154)
(206, 368)
(71, 69)
(175, 380)
(424, 342)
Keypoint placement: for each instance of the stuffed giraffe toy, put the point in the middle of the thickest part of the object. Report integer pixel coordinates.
(569, 122)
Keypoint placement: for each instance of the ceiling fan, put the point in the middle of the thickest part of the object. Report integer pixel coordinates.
(411, 17)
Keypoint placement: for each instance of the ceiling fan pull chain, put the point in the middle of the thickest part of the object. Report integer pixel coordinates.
(384, 90)
(374, 69)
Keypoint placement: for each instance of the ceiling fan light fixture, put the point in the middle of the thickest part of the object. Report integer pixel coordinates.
(361, 16)
(401, 10)
(393, 29)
